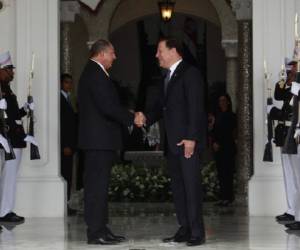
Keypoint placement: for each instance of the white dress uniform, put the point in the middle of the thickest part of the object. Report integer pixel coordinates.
(16, 135)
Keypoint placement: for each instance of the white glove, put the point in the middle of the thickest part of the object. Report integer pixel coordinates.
(269, 107)
(31, 106)
(297, 133)
(4, 143)
(295, 88)
(28, 106)
(3, 104)
(31, 139)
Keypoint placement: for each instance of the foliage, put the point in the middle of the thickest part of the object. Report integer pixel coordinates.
(152, 184)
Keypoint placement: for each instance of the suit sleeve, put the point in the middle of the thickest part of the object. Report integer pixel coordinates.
(107, 101)
(156, 112)
(193, 87)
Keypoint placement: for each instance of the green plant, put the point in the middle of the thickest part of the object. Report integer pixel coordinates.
(152, 184)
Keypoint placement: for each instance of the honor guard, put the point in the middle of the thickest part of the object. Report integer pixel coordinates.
(12, 141)
(283, 117)
(292, 148)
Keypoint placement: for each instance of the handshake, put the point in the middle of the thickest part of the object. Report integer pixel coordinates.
(139, 119)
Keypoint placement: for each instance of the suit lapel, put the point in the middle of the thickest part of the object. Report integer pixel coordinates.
(175, 76)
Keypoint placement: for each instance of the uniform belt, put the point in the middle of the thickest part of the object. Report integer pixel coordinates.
(19, 122)
(286, 123)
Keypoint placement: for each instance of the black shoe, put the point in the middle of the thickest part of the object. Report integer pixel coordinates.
(12, 217)
(182, 235)
(110, 235)
(293, 226)
(195, 241)
(102, 241)
(285, 217)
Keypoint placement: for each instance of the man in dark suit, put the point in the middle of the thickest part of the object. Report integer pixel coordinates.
(68, 131)
(181, 106)
(100, 118)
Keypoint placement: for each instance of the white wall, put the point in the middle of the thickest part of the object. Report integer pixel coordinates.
(7, 29)
(273, 39)
(32, 26)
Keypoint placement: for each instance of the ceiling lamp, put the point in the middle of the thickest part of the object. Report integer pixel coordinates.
(166, 8)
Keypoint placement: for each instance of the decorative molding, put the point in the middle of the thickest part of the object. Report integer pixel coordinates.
(68, 11)
(230, 47)
(242, 9)
(91, 4)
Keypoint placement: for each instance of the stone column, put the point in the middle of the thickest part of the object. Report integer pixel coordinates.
(68, 11)
(40, 189)
(244, 111)
(230, 47)
(65, 48)
(243, 12)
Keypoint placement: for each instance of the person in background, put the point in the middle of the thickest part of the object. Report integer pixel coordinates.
(224, 148)
(68, 133)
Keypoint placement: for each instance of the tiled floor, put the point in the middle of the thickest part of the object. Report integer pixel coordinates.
(145, 224)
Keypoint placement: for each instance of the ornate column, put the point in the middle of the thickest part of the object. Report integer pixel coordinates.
(68, 10)
(243, 11)
(245, 112)
(230, 47)
(40, 189)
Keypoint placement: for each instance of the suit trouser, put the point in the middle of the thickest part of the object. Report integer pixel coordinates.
(187, 191)
(294, 177)
(289, 184)
(8, 182)
(98, 165)
(225, 162)
(66, 171)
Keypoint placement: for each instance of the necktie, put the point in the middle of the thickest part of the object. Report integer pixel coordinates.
(69, 100)
(166, 81)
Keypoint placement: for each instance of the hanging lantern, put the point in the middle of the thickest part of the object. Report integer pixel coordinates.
(166, 9)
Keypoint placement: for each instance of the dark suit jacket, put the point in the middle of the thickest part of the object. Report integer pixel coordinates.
(68, 124)
(100, 112)
(182, 108)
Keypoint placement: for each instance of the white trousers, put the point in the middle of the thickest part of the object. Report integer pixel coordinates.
(291, 174)
(8, 181)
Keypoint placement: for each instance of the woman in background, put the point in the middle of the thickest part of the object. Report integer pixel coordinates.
(224, 148)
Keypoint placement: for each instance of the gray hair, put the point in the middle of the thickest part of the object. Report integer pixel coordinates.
(99, 46)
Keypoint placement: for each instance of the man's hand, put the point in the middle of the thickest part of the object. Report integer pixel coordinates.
(68, 151)
(3, 104)
(139, 119)
(189, 147)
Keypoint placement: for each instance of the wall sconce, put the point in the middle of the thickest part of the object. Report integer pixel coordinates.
(166, 9)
